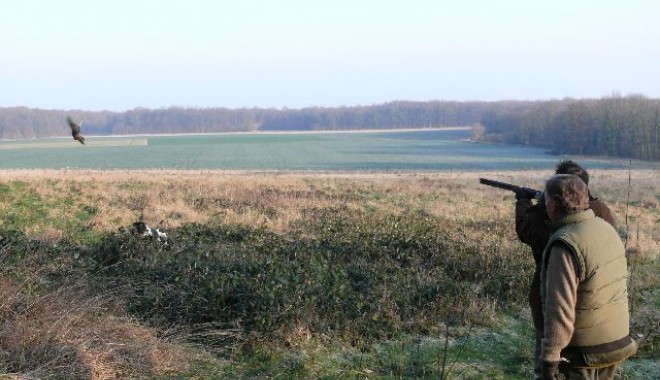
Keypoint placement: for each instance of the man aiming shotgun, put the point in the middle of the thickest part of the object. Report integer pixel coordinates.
(533, 228)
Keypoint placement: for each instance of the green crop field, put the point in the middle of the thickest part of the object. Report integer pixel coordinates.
(391, 151)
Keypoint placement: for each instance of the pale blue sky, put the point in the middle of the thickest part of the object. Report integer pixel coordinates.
(121, 54)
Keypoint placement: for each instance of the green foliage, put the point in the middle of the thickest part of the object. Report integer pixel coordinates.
(25, 205)
(26, 209)
(384, 285)
(351, 274)
(645, 303)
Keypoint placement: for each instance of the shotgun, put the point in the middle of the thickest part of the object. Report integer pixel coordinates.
(527, 192)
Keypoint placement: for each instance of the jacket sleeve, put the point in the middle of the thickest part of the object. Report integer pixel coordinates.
(523, 228)
(560, 300)
(531, 226)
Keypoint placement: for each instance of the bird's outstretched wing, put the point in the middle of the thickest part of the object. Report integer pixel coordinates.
(75, 127)
(75, 130)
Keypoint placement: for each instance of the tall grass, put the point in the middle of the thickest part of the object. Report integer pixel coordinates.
(54, 325)
(296, 275)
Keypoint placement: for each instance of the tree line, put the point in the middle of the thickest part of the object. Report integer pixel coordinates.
(26, 123)
(611, 126)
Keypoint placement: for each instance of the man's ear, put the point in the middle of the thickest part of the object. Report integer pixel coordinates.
(552, 207)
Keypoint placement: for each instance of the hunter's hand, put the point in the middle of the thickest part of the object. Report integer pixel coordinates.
(523, 194)
(551, 371)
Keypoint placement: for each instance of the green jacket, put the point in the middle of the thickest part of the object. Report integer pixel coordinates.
(601, 312)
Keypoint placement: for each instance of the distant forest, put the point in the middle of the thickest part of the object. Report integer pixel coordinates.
(615, 126)
(612, 126)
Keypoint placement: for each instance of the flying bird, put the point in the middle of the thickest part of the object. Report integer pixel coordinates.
(75, 130)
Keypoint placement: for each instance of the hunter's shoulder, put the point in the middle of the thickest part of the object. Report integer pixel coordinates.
(599, 206)
(603, 211)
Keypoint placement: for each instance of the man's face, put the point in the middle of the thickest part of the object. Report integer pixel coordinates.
(551, 207)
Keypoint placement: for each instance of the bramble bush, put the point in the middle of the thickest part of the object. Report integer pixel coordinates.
(344, 273)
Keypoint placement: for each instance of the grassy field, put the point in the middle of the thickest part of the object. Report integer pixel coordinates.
(428, 150)
(287, 275)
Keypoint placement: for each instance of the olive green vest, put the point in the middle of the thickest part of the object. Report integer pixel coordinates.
(602, 296)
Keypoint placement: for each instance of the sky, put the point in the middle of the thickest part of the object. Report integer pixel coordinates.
(119, 55)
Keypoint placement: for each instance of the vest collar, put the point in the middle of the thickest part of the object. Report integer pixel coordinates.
(576, 217)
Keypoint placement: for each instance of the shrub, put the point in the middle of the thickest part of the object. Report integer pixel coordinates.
(350, 274)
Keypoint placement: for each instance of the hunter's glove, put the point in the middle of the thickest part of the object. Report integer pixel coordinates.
(524, 194)
(551, 371)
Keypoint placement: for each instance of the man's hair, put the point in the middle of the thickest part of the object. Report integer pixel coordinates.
(570, 192)
(570, 167)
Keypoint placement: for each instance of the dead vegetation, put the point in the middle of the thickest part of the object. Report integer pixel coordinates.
(67, 331)
(275, 200)
(54, 325)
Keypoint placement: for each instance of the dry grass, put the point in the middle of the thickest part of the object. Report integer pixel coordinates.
(275, 200)
(66, 331)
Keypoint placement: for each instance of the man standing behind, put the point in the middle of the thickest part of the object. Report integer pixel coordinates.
(583, 288)
(533, 229)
